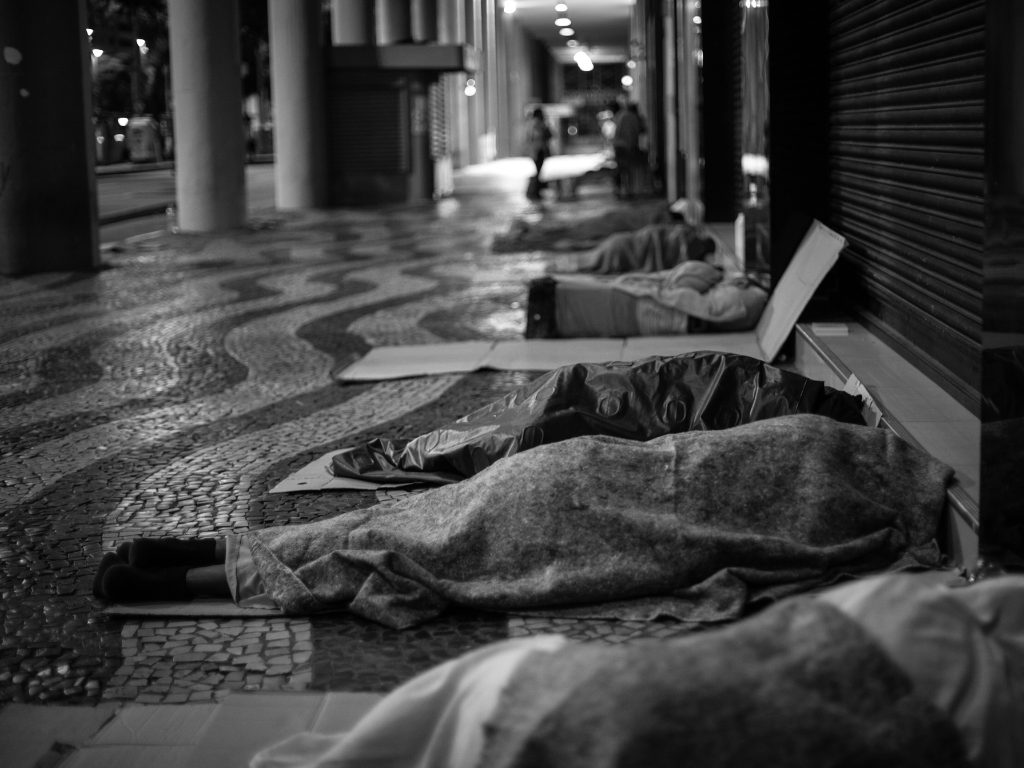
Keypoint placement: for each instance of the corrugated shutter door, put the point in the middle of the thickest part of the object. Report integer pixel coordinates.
(367, 121)
(907, 174)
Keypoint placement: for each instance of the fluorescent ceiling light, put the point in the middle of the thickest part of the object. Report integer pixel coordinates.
(561, 8)
(97, 52)
(510, 7)
(566, 32)
(562, 22)
(627, 81)
(583, 61)
(571, 43)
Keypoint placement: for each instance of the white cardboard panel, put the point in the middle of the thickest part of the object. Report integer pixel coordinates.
(818, 252)
(312, 477)
(318, 476)
(548, 354)
(639, 347)
(382, 363)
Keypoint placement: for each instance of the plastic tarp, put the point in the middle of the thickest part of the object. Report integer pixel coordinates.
(636, 401)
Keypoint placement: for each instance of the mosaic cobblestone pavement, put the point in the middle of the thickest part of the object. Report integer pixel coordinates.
(166, 393)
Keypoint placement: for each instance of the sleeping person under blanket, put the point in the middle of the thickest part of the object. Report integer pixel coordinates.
(694, 527)
(900, 670)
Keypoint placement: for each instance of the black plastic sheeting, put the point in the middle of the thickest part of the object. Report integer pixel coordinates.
(637, 401)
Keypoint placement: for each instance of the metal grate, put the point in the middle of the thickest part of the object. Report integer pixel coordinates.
(906, 173)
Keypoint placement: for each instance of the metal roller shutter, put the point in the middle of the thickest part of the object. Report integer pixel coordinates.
(367, 119)
(906, 180)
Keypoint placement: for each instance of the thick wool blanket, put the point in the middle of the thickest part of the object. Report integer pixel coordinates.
(653, 248)
(695, 526)
(798, 686)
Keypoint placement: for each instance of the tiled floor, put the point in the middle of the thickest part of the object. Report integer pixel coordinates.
(165, 395)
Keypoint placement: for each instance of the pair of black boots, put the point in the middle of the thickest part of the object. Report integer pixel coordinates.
(151, 569)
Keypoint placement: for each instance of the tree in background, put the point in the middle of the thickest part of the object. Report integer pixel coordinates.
(117, 25)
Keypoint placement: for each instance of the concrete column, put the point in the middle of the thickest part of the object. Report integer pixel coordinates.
(300, 129)
(423, 20)
(48, 219)
(206, 83)
(351, 22)
(394, 22)
(451, 21)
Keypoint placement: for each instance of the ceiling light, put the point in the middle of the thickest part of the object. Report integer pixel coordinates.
(140, 42)
(471, 90)
(88, 32)
(561, 7)
(696, 19)
(122, 121)
(571, 43)
(97, 52)
(583, 61)
(566, 32)
(631, 64)
(562, 22)
(510, 7)
(627, 81)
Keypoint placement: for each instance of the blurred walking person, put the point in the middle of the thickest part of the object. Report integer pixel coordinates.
(538, 138)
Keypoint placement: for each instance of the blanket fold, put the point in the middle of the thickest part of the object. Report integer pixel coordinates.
(695, 526)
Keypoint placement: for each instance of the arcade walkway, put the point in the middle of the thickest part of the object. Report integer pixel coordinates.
(167, 393)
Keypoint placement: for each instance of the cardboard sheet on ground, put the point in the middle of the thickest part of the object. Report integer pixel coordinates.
(382, 363)
(817, 254)
(200, 607)
(548, 354)
(317, 476)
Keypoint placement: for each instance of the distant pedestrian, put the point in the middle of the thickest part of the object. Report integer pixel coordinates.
(627, 147)
(538, 138)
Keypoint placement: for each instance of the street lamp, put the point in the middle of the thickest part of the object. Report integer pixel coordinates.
(583, 61)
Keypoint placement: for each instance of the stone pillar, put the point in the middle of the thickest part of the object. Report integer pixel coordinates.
(1002, 387)
(351, 22)
(48, 217)
(423, 20)
(394, 22)
(206, 83)
(297, 79)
